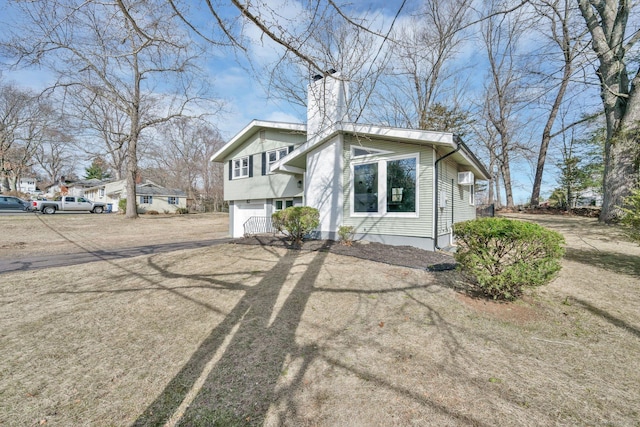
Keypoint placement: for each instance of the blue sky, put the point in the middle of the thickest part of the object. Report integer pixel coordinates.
(245, 98)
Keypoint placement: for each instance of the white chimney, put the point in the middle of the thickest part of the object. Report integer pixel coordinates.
(326, 103)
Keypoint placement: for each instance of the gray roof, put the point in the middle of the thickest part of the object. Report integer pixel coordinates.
(145, 190)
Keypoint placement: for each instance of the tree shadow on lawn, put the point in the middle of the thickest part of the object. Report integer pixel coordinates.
(611, 261)
(231, 379)
(608, 317)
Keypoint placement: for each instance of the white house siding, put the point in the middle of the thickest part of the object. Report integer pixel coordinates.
(416, 231)
(324, 190)
(27, 185)
(263, 186)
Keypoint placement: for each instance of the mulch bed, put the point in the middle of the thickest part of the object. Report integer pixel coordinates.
(405, 256)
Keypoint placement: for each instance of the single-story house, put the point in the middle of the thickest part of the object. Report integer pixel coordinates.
(393, 185)
(151, 196)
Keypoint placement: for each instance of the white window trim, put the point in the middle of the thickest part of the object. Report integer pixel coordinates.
(239, 169)
(472, 194)
(382, 178)
(280, 154)
(375, 152)
(284, 204)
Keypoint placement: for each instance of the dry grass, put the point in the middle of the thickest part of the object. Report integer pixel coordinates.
(37, 234)
(250, 335)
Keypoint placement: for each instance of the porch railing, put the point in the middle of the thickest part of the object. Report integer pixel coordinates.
(258, 225)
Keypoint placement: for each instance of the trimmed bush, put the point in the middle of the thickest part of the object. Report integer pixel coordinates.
(182, 211)
(122, 206)
(502, 256)
(630, 219)
(152, 212)
(296, 222)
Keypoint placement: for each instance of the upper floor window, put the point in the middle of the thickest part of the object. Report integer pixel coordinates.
(241, 167)
(276, 155)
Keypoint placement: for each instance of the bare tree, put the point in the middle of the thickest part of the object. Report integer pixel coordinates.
(55, 157)
(180, 160)
(503, 90)
(357, 55)
(420, 76)
(14, 106)
(128, 56)
(107, 126)
(26, 121)
(558, 26)
(486, 141)
(613, 42)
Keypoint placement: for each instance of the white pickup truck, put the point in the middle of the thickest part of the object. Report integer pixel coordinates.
(67, 203)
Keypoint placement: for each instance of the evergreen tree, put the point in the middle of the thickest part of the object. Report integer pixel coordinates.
(97, 170)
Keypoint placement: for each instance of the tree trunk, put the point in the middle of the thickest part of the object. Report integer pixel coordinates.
(607, 22)
(505, 170)
(562, 13)
(621, 174)
(546, 134)
(132, 147)
(498, 195)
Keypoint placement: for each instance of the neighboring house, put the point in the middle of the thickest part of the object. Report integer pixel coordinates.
(396, 186)
(150, 196)
(589, 197)
(73, 188)
(27, 185)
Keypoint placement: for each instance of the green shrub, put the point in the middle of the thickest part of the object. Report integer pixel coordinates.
(630, 219)
(122, 206)
(503, 256)
(296, 222)
(346, 233)
(182, 211)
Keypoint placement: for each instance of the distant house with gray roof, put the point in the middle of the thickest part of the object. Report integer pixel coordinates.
(72, 188)
(150, 196)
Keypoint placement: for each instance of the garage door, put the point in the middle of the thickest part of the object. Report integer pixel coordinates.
(243, 211)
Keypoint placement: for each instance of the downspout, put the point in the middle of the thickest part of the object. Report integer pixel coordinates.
(457, 141)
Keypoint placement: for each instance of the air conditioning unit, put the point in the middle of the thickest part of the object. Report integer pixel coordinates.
(465, 178)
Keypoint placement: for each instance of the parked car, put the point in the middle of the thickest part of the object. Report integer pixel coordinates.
(67, 203)
(13, 203)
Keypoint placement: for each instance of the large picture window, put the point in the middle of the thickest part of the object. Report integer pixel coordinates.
(365, 193)
(385, 186)
(401, 185)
